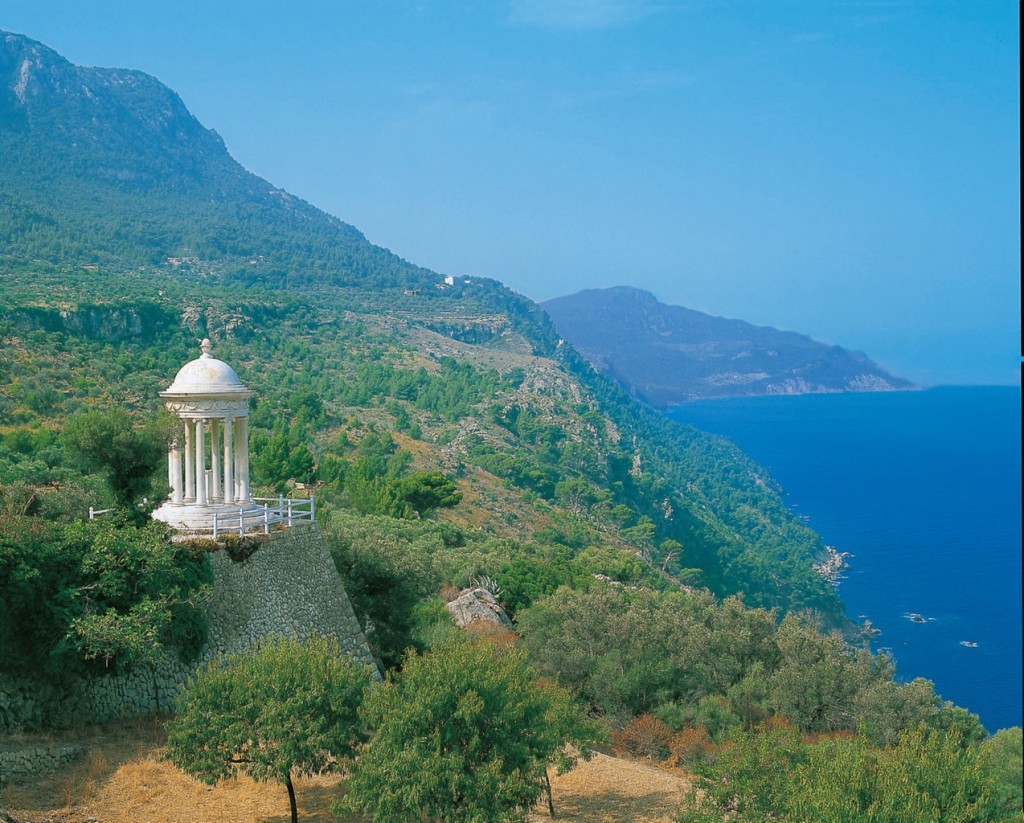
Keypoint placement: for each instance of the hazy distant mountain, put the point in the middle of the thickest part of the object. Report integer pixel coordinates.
(667, 355)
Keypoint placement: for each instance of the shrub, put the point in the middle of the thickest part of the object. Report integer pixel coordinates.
(692, 747)
(644, 736)
(464, 732)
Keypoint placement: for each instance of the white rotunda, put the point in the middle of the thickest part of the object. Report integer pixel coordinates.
(208, 458)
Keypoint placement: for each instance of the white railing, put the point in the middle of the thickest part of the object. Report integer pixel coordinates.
(94, 513)
(274, 511)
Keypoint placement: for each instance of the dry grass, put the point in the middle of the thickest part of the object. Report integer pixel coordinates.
(154, 790)
(124, 778)
(611, 790)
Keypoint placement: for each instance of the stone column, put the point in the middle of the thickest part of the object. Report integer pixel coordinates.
(215, 458)
(174, 461)
(170, 465)
(242, 453)
(200, 462)
(190, 472)
(229, 458)
(238, 459)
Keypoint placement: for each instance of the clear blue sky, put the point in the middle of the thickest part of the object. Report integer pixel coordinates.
(849, 170)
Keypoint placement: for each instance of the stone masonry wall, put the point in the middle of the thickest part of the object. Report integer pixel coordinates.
(17, 760)
(289, 586)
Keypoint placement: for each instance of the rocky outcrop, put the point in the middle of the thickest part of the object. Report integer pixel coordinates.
(143, 321)
(477, 604)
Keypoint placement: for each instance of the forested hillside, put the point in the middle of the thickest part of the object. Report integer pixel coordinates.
(451, 436)
(128, 233)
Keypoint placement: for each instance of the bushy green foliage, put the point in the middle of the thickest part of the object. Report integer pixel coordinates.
(629, 652)
(537, 572)
(129, 455)
(280, 457)
(463, 733)
(378, 481)
(927, 775)
(384, 580)
(96, 596)
(389, 565)
(1004, 756)
(432, 624)
(693, 660)
(423, 492)
(287, 708)
(818, 677)
(450, 393)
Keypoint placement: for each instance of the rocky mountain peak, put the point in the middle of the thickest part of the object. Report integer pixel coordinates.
(119, 124)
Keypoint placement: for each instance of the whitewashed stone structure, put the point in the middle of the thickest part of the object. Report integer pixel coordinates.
(208, 459)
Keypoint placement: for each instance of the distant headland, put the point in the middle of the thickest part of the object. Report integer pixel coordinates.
(667, 355)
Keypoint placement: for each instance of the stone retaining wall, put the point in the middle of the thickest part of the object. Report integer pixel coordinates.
(289, 586)
(35, 759)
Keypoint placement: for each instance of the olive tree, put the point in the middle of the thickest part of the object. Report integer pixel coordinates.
(288, 708)
(464, 732)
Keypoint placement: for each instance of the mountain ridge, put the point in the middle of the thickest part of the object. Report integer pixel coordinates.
(109, 279)
(666, 355)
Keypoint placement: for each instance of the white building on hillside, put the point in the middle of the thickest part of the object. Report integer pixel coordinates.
(208, 459)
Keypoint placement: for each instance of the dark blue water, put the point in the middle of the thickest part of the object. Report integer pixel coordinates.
(924, 490)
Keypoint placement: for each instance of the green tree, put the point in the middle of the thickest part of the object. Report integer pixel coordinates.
(140, 593)
(94, 591)
(819, 677)
(385, 579)
(109, 441)
(926, 776)
(576, 494)
(288, 708)
(463, 733)
(425, 492)
(280, 458)
(749, 778)
(627, 652)
(770, 773)
(1003, 755)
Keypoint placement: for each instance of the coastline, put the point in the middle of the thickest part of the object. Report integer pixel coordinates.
(924, 489)
(831, 565)
(669, 408)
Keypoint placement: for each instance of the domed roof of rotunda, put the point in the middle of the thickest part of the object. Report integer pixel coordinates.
(205, 375)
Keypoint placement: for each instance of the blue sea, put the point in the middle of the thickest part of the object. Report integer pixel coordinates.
(923, 489)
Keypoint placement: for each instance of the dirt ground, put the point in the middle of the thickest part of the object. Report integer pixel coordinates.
(124, 778)
(611, 790)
